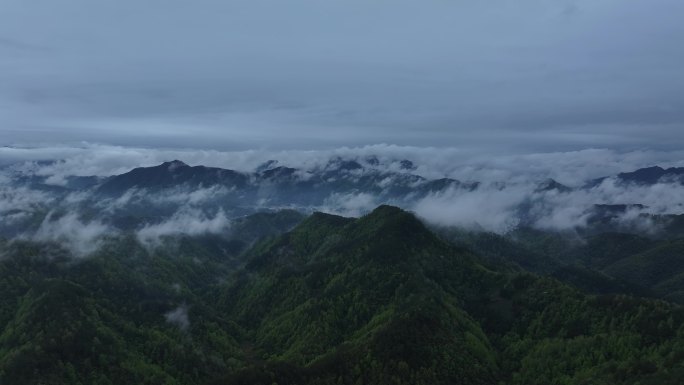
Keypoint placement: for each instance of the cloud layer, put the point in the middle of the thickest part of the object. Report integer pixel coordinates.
(496, 77)
(507, 194)
(571, 168)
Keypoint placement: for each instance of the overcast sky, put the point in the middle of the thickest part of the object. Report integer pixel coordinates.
(501, 75)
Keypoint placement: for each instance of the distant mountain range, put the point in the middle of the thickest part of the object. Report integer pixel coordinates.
(647, 176)
(339, 175)
(347, 186)
(284, 185)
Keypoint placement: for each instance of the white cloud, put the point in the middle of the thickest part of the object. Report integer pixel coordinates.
(179, 196)
(24, 199)
(573, 167)
(490, 207)
(81, 237)
(179, 317)
(350, 205)
(497, 209)
(182, 196)
(487, 208)
(185, 221)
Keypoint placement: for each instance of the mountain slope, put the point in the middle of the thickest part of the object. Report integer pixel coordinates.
(376, 300)
(657, 267)
(362, 300)
(170, 174)
(364, 293)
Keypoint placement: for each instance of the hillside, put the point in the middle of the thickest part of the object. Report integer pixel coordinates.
(324, 297)
(375, 300)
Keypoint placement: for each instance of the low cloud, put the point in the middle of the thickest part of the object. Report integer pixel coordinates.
(507, 196)
(350, 205)
(183, 196)
(179, 317)
(184, 221)
(572, 167)
(79, 236)
(501, 208)
(23, 199)
(487, 208)
(179, 196)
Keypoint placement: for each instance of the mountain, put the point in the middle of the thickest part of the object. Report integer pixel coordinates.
(660, 267)
(127, 313)
(342, 300)
(651, 175)
(335, 290)
(379, 299)
(172, 174)
(277, 186)
(351, 186)
(600, 263)
(646, 176)
(552, 185)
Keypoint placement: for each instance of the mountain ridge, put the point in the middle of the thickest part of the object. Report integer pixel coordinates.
(324, 300)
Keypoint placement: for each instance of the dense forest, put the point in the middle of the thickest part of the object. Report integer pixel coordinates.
(330, 300)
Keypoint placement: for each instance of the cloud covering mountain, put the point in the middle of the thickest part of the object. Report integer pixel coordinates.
(58, 200)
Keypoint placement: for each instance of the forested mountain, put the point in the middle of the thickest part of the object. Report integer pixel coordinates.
(375, 300)
(178, 274)
(600, 263)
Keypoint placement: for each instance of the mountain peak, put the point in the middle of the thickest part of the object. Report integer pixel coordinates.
(267, 165)
(388, 220)
(550, 185)
(648, 175)
(173, 173)
(407, 165)
(384, 210)
(173, 165)
(644, 176)
(342, 164)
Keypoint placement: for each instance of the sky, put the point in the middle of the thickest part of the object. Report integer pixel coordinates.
(487, 77)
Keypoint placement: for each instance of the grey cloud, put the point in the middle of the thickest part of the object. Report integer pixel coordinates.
(19, 45)
(529, 76)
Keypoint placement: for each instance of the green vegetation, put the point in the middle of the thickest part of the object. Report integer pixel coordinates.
(374, 300)
(604, 263)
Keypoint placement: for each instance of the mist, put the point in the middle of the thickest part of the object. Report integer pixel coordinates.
(184, 222)
(570, 167)
(495, 194)
(80, 237)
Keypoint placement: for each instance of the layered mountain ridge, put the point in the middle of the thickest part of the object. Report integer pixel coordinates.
(149, 196)
(380, 299)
